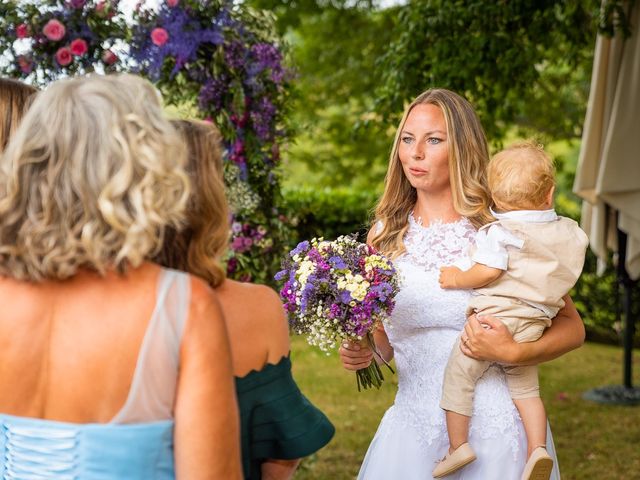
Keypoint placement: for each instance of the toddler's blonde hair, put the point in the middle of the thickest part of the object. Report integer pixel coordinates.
(520, 177)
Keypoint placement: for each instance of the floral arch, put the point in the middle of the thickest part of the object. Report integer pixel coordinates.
(220, 60)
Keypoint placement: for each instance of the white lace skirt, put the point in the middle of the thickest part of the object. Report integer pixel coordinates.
(399, 451)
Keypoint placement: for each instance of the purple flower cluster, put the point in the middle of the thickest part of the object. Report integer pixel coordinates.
(212, 93)
(335, 290)
(185, 34)
(262, 118)
(246, 236)
(267, 57)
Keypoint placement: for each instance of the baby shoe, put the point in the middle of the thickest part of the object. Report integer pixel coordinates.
(461, 456)
(538, 466)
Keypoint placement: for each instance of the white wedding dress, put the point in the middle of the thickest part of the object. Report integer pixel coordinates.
(412, 435)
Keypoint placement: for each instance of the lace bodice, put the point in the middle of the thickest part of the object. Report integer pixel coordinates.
(424, 326)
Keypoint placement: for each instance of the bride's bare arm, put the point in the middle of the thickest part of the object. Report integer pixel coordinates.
(496, 343)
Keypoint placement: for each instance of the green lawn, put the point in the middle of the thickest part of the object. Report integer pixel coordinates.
(593, 441)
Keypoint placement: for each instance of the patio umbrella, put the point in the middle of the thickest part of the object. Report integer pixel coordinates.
(608, 174)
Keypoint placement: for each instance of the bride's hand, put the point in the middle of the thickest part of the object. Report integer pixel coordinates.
(355, 356)
(487, 338)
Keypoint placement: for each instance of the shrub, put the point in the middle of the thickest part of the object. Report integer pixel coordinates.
(328, 212)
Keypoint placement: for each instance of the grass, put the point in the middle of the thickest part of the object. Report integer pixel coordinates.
(593, 440)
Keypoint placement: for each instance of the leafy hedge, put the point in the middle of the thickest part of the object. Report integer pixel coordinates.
(330, 213)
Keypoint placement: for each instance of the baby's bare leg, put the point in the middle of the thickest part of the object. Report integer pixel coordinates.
(457, 428)
(534, 419)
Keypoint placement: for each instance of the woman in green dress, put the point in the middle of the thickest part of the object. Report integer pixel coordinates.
(278, 424)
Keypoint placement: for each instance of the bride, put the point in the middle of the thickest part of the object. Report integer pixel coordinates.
(434, 200)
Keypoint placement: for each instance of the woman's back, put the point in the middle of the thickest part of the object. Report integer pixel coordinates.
(85, 404)
(77, 343)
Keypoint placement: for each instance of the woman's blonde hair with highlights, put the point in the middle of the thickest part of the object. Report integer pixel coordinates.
(197, 249)
(468, 158)
(521, 177)
(15, 98)
(90, 180)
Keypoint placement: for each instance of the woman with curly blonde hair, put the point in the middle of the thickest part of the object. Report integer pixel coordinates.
(278, 425)
(111, 365)
(435, 198)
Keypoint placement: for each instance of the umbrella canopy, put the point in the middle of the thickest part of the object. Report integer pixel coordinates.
(608, 174)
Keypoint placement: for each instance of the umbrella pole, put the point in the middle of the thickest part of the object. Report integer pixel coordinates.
(629, 320)
(624, 394)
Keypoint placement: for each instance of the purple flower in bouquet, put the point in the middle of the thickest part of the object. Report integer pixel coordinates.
(335, 290)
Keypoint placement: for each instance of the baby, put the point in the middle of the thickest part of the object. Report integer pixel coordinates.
(524, 263)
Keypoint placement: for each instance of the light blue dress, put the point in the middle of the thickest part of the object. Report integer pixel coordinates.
(138, 442)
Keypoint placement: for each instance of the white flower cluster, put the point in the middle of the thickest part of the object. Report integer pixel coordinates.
(322, 332)
(306, 268)
(239, 194)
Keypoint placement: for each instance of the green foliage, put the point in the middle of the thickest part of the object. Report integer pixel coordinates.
(341, 140)
(510, 59)
(328, 213)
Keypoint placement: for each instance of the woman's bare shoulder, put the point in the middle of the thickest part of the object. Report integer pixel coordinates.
(256, 311)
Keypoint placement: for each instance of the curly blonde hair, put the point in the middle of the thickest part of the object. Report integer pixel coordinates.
(521, 176)
(197, 249)
(15, 98)
(468, 158)
(90, 180)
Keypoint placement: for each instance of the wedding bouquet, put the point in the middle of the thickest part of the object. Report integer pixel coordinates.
(336, 290)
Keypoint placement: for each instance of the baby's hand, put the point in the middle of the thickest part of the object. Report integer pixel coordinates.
(448, 276)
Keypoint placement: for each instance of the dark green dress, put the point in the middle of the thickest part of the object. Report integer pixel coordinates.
(276, 420)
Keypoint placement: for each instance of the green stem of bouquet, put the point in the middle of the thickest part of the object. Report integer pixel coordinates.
(371, 376)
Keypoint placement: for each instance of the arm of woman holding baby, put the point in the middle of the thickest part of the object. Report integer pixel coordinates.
(489, 339)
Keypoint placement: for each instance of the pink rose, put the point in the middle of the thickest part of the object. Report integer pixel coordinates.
(79, 47)
(22, 30)
(173, 3)
(63, 56)
(100, 5)
(159, 36)
(54, 30)
(109, 58)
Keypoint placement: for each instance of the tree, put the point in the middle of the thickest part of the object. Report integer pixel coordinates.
(334, 46)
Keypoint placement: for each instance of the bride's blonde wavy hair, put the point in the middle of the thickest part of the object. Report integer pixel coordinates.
(468, 159)
(91, 179)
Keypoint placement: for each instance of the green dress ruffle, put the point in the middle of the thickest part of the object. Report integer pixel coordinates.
(276, 420)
